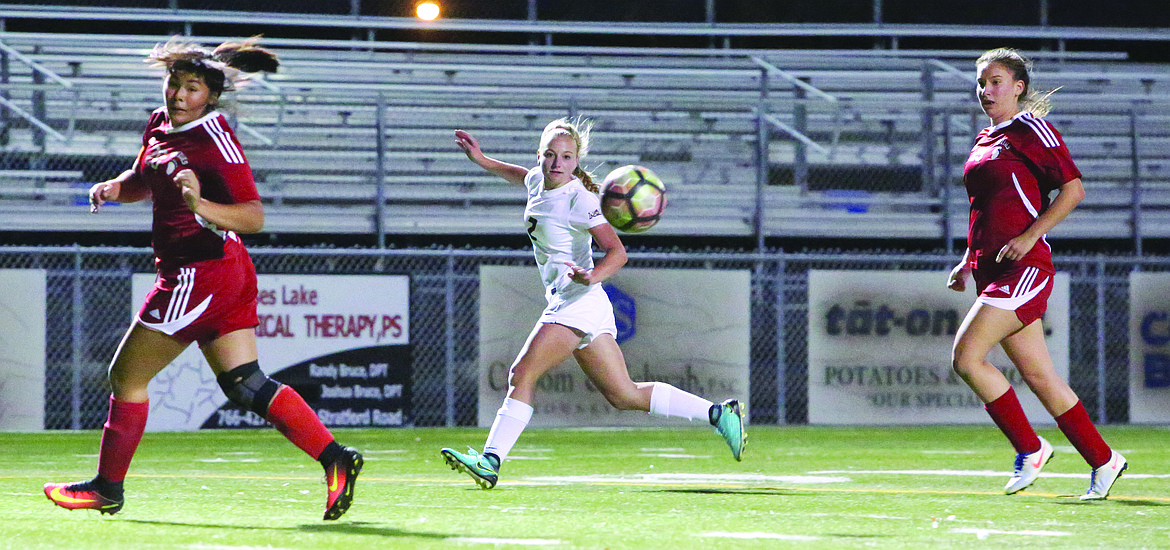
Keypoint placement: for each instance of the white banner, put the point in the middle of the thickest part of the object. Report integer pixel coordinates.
(342, 341)
(1149, 347)
(22, 350)
(879, 349)
(687, 327)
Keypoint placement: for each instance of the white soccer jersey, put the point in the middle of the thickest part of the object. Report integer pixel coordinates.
(558, 222)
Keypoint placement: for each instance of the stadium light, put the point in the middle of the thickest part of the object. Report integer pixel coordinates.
(427, 10)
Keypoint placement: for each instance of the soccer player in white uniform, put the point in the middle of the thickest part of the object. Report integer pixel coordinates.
(563, 219)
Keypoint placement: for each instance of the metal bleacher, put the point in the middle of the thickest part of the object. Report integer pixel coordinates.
(310, 133)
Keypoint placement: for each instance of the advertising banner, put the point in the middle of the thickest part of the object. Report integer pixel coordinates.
(879, 349)
(1149, 347)
(686, 327)
(22, 350)
(342, 341)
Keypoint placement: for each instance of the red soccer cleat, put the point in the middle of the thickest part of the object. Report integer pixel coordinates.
(82, 496)
(340, 477)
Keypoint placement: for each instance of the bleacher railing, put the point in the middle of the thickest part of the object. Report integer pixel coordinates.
(822, 163)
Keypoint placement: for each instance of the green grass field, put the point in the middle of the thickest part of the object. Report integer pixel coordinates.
(798, 487)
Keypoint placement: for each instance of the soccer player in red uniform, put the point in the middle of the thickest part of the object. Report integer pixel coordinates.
(1013, 167)
(192, 168)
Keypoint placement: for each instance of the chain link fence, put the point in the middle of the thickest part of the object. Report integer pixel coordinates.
(89, 307)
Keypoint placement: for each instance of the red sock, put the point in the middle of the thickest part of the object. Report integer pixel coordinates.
(120, 437)
(1083, 435)
(1007, 413)
(297, 421)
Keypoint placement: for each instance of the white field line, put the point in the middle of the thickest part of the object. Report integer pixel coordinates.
(672, 455)
(984, 533)
(974, 473)
(201, 546)
(490, 540)
(756, 535)
(683, 479)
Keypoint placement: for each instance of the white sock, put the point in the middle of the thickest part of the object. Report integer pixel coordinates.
(667, 400)
(511, 420)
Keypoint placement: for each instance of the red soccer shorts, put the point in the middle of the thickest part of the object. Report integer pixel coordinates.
(202, 301)
(1023, 289)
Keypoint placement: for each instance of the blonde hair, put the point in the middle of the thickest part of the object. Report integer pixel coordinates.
(1035, 102)
(579, 129)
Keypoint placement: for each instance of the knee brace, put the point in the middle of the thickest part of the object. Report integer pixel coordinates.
(248, 387)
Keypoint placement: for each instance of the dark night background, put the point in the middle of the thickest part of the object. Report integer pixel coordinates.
(1060, 13)
(1077, 13)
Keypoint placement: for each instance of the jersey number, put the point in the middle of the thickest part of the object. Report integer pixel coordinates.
(531, 228)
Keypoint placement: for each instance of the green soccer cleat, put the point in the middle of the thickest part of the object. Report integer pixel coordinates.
(479, 467)
(727, 417)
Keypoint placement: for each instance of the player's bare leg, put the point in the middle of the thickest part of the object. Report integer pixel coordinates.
(1029, 353)
(984, 327)
(547, 346)
(141, 355)
(605, 365)
(233, 358)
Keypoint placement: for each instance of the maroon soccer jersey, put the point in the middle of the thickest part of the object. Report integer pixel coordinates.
(1011, 171)
(209, 147)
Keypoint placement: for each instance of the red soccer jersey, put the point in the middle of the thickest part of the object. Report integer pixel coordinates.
(209, 147)
(1011, 171)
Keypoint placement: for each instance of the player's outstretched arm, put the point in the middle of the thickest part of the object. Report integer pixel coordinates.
(511, 172)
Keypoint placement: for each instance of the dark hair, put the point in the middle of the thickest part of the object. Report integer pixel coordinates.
(220, 68)
(1036, 103)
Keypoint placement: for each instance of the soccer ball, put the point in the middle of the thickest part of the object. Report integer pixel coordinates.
(632, 198)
